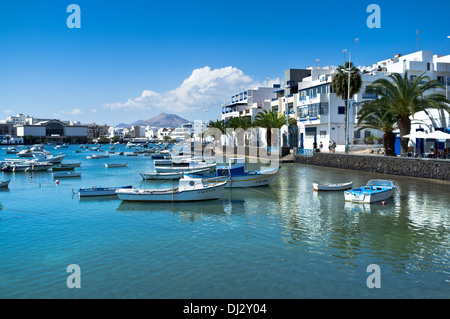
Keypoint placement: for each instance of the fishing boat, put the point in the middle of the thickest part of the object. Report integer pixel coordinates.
(237, 176)
(188, 190)
(25, 153)
(100, 191)
(12, 150)
(374, 191)
(4, 184)
(64, 167)
(66, 174)
(44, 157)
(25, 167)
(167, 176)
(192, 166)
(109, 165)
(332, 187)
(96, 156)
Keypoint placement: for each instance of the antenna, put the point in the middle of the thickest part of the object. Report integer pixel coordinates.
(417, 31)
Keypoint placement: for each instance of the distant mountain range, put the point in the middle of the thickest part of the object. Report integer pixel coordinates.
(161, 120)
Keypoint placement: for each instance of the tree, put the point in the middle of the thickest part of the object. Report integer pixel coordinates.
(374, 115)
(406, 97)
(269, 120)
(340, 85)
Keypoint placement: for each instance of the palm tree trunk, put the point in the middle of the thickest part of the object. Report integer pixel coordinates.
(389, 144)
(404, 125)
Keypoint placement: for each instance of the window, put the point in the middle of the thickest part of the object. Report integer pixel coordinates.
(357, 134)
(428, 66)
(323, 134)
(367, 134)
(341, 109)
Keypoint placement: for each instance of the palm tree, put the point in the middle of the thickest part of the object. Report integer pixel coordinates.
(340, 85)
(269, 120)
(218, 124)
(408, 97)
(241, 122)
(373, 115)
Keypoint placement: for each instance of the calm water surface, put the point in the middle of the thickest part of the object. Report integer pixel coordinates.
(282, 241)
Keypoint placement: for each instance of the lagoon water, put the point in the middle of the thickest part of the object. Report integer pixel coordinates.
(282, 241)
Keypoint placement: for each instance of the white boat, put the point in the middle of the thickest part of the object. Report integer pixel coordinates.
(167, 176)
(43, 157)
(25, 153)
(237, 176)
(25, 167)
(4, 184)
(11, 150)
(188, 190)
(66, 174)
(185, 169)
(375, 190)
(109, 165)
(100, 191)
(332, 187)
(64, 167)
(96, 156)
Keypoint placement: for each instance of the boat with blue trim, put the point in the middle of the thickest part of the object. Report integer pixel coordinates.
(374, 191)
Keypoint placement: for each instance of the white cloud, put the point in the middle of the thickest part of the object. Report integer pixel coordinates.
(205, 86)
(94, 111)
(72, 112)
(8, 111)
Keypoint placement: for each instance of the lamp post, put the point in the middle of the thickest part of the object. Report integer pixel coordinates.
(348, 103)
(356, 47)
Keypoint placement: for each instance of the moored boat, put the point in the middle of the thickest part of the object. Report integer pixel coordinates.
(332, 187)
(66, 174)
(4, 184)
(188, 190)
(109, 165)
(237, 176)
(100, 191)
(167, 176)
(25, 167)
(374, 191)
(193, 166)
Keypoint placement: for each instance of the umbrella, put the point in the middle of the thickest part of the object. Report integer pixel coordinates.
(438, 135)
(418, 134)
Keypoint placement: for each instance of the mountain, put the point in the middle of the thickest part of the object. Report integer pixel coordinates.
(161, 120)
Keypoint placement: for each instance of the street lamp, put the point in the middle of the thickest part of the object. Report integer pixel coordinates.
(348, 101)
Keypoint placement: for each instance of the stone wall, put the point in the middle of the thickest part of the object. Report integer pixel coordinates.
(404, 166)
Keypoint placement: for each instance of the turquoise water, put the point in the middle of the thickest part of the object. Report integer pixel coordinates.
(282, 241)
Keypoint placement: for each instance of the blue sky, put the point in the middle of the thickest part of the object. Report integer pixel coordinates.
(132, 60)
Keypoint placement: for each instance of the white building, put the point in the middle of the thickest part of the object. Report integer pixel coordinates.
(249, 102)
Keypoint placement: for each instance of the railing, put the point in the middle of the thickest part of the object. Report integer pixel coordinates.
(303, 151)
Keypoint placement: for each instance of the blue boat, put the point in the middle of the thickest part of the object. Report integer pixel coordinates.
(236, 175)
(375, 190)
(100, 191)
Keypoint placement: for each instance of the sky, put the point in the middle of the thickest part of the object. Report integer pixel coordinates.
(132, 60)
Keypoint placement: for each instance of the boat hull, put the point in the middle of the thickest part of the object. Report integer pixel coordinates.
(362, 195)
(186, 169)
(100, 191)
(172, 195)
(4, 184)
(66, 175)
(166, 176)
(112, 165)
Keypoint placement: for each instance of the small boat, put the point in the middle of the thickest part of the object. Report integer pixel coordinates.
(374, 191)
(161, 156)
(43, 157)
(131, 154)
(25, 167)
(109, 165)
(332, 187)
(64, 167)
(167, 176)
(188, 190)
(237, 176)
(100, 191)
(4, 184)
(25, 153)
(193, 166)
(66, 174)
(11, 150)
(96, 156)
